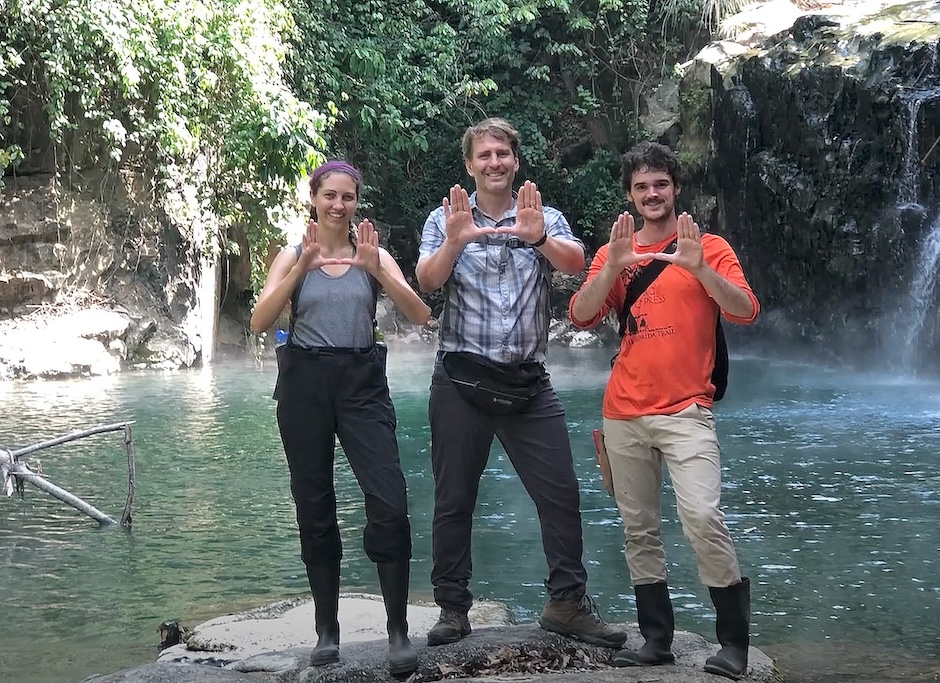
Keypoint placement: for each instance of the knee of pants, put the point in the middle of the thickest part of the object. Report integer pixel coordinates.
(454, 501)
(322, 545)
(704, 524)
(388, 540)
(316, 515)
(643, 537)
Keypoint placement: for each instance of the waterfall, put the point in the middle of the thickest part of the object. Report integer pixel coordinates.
(909, 183)
(921, 292)
(913, 316)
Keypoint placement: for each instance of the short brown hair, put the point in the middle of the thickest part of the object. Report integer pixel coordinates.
(652, 156)
(495, 127)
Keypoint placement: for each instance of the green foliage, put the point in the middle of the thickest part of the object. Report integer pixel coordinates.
(407, 78)
(597, 192)
(165, 82)
(695, 105)
(682, 14)
(397, 81)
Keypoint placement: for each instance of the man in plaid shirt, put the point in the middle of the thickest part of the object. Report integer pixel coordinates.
(493, 253)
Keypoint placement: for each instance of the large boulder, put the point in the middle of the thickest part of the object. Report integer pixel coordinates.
(275, 644)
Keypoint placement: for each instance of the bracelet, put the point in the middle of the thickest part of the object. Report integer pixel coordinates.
(541, 240)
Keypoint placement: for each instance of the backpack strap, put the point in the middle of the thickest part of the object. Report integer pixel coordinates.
(638, 284)
(641, 280)
(720, 369)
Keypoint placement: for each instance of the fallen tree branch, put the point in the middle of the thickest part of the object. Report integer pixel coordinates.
(45, 485)
(131, 476)
(69, 437)
(13, 469)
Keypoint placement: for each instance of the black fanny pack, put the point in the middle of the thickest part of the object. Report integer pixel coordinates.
(490, 387)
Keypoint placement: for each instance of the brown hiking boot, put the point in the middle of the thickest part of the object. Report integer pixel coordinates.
(450, 627)
(578, 618)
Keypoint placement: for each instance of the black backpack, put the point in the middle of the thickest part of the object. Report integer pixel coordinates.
(644, 278)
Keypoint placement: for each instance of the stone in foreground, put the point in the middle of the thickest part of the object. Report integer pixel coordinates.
(500, 653)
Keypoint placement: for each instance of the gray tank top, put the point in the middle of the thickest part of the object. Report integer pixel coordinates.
(334, 311)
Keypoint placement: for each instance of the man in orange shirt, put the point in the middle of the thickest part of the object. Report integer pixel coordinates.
(657, 405)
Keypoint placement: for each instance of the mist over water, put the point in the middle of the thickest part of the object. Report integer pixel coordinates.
(831, 487)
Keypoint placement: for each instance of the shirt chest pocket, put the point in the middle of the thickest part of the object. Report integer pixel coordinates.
(478, 263)
(495, 260)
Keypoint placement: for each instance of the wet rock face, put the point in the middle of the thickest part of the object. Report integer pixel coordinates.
(100, 243)
(824, 163)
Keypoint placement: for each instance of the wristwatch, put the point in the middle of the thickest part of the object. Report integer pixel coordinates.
(541, 240)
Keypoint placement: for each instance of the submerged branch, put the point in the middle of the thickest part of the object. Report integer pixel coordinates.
(42, 484)
(131, 478)
(12, 468)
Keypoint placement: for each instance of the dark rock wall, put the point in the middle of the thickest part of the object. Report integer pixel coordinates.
(817, 176)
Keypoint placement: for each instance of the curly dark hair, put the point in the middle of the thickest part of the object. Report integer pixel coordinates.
(651, 156)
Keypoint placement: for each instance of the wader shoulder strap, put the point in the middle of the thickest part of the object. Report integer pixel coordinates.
(293, 298)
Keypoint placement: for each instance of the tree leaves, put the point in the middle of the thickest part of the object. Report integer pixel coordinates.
(168, 82)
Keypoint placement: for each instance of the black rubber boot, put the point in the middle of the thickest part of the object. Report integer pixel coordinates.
(733, 610)
(324, 584)
(657, 625)
(393, 577)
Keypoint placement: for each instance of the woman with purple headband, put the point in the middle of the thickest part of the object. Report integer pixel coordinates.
(332, 383)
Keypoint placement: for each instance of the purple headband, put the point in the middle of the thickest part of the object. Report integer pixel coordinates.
(335, 166)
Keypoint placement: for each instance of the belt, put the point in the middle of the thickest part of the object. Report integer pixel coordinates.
(337, 350)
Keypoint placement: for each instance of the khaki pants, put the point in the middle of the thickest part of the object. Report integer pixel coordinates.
(688, 443)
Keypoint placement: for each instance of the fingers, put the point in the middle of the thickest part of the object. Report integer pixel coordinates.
(367, 235)
(529, 197)
(309, 238)
(688, 228)
(366, 230)
(457, 200)
(622, 228)
(683, 229)
(526, 198)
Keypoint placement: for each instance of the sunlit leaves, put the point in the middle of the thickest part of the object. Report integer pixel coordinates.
(170, 81)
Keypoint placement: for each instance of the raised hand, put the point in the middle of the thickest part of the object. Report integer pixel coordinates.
(366, 256)
(458, 219)
(530, 221)
(621, 253)
(688, 252)
(311, 255)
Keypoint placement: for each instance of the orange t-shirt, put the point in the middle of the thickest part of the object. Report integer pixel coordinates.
(666, 365)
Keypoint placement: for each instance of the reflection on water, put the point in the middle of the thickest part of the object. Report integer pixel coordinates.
(831, 485)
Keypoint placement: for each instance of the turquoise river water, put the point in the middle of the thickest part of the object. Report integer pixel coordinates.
(831, 484)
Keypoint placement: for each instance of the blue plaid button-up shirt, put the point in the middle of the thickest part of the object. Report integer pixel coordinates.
(497, 297)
